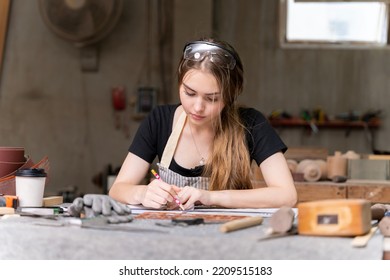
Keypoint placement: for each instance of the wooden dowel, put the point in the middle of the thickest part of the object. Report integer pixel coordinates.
(241, 223)
(282, 220)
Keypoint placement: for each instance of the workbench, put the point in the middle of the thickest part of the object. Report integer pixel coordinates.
(27, 238)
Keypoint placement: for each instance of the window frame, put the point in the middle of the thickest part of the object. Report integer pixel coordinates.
(282, 31)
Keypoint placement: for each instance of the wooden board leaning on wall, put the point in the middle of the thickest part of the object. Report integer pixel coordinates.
(4, 10)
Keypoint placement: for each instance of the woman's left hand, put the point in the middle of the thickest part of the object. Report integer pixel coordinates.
(189, 196)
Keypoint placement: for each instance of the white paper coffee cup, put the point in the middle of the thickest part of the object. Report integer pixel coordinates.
(30, 186)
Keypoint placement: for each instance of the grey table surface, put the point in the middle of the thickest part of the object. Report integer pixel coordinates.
(26, 238)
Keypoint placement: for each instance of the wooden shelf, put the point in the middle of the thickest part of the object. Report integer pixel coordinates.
(296, 122)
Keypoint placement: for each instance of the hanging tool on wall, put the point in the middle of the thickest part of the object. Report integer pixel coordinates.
(306, 116)
(118, 96)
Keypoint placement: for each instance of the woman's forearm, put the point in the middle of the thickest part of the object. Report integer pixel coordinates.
(128, 194)
(269, 197)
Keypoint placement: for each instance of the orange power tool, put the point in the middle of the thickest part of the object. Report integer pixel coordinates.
(9, 201)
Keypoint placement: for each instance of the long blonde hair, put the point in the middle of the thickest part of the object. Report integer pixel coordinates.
(229, 164)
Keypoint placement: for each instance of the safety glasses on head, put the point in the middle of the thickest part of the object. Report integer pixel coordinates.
(198, 50)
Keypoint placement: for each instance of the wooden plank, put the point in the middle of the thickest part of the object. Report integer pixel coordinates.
(376, 157)
(4, 9)
(7, 210)
(376, 193)
(301, 153)
(52, 201)
(308, 191)
(313, 191)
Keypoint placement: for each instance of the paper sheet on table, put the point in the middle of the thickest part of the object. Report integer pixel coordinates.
(264, 212)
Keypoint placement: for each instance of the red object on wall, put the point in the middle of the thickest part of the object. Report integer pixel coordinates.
(118, 98)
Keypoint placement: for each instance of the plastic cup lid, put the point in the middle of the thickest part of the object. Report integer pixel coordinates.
(31, 172)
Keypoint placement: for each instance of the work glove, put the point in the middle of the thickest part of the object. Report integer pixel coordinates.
(93, 205)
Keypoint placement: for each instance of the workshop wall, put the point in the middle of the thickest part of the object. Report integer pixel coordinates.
(51, 107)
(335, 80)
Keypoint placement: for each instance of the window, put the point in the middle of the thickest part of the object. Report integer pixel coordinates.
(334, 23)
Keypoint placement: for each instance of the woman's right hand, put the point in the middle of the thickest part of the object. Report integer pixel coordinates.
(159, 194)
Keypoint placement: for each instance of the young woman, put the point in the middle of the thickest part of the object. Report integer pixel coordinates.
(206, 143)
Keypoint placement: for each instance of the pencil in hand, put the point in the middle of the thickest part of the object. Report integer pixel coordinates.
(155, 174)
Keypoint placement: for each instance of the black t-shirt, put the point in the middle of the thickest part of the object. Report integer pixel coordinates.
(154, 131)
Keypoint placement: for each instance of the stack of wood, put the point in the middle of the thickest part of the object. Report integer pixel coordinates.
(315, 164)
